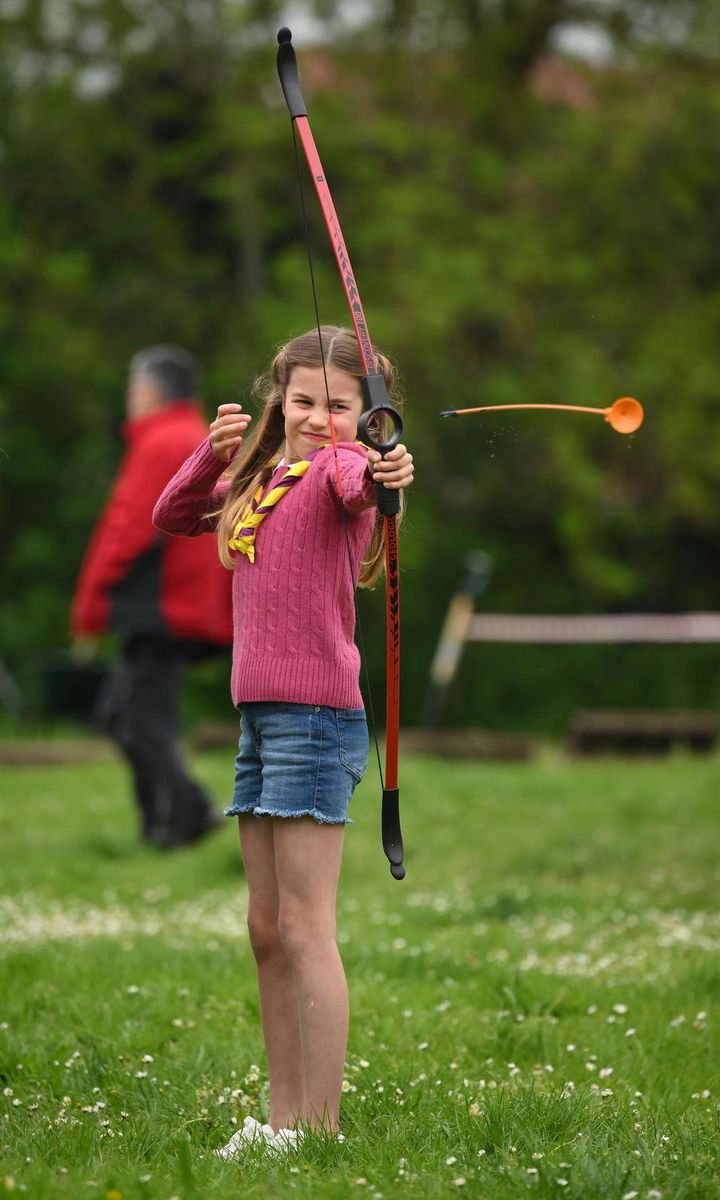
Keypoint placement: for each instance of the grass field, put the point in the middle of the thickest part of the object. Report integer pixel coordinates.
(534, 1010)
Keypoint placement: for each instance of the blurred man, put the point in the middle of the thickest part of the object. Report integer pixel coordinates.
(167, 599)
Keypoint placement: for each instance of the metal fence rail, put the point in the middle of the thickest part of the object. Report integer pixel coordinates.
(462, 625)
(616, 627)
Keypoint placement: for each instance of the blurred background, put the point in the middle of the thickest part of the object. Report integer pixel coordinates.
(529, 192)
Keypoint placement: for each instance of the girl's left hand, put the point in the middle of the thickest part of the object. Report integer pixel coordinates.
(395, 470)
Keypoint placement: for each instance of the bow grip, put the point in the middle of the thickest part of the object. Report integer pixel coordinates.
(288, 72)
(376, 403)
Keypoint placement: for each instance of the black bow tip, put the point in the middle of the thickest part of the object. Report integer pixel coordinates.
(284, 35)
(397, 870)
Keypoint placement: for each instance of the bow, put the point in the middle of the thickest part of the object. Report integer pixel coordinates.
(377, 414)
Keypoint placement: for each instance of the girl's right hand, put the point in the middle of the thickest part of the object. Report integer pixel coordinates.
(226, 431)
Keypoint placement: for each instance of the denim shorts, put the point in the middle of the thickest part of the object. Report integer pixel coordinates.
(299, 760)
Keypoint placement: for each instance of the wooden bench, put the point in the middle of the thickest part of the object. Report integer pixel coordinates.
(640, 731)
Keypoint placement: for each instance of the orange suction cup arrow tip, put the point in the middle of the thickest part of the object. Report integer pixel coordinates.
(625, 415)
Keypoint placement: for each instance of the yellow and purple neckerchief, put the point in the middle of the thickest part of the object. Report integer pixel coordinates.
(243, 538)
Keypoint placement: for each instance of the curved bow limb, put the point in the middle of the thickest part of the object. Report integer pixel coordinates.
(377, 415)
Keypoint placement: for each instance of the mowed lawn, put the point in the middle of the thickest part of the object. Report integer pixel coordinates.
(534, 1009)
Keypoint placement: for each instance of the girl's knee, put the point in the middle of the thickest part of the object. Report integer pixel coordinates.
(301, 931)
(264, 934)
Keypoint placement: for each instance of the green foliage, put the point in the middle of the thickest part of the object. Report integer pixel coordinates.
(511, 245)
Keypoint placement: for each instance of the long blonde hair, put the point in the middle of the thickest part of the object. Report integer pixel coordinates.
(261, 454)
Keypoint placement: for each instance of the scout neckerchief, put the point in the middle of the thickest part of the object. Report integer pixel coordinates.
(243, 538)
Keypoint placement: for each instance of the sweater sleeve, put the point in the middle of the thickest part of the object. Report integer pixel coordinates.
(358, 489)
(193, 493)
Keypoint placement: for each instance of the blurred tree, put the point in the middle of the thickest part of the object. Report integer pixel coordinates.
(113, 173)
(523, 227)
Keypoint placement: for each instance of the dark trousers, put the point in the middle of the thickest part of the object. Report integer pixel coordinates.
(139, 707)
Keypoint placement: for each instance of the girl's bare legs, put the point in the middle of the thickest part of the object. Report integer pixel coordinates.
(276, 981)
(307, 867)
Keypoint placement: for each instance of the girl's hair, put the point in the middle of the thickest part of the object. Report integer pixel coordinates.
(261, 454)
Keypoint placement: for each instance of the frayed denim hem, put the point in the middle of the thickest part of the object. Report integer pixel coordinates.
(270, 812)
(236, 811)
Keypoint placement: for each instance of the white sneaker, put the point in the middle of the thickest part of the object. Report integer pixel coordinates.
(291, 1139)
(287, 1140)
(252, 1133)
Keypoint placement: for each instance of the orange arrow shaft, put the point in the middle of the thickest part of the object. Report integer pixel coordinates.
(460, 412)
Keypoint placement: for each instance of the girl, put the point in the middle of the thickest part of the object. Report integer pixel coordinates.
(303, 744)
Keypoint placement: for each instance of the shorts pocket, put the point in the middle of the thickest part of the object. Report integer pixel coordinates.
(352, 740)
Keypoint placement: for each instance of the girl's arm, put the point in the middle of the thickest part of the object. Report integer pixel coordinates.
(193, 493)
(197, 491)
(360, 470)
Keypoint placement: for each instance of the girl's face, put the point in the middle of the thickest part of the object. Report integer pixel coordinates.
(305, 408)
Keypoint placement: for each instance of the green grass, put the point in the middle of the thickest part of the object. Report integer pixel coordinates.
(534, 1010)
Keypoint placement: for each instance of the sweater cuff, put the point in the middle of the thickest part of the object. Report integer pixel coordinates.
(206, 464)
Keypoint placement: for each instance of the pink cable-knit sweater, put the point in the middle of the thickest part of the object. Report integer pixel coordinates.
(293, 608)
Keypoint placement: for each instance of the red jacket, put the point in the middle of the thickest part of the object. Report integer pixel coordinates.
(135, 579)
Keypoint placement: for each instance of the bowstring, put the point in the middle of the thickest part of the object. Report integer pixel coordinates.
(358, 621)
